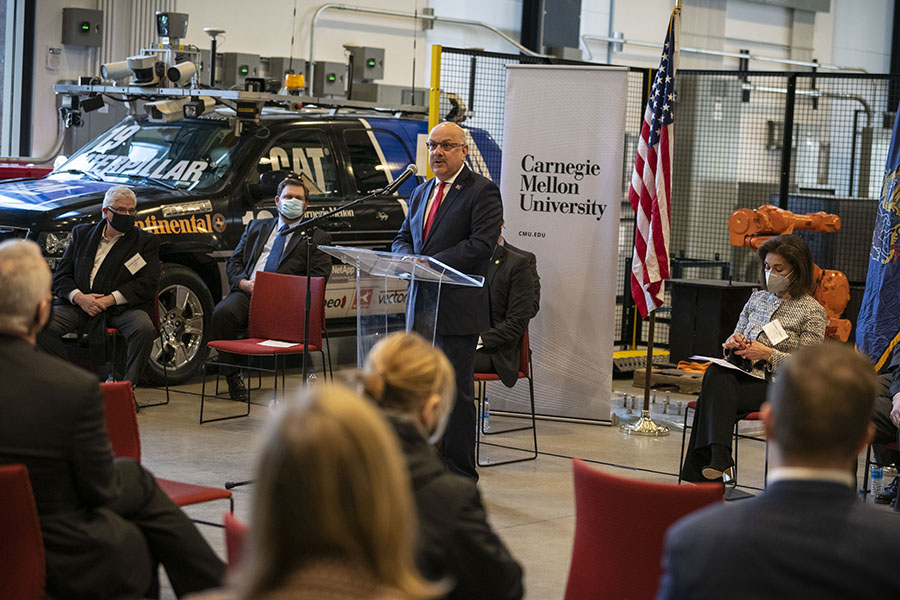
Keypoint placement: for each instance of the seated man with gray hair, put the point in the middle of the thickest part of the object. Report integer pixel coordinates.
(107, 277)
(807, 535)
(105, 522)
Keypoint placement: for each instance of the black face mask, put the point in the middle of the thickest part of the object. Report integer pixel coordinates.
(121, 223)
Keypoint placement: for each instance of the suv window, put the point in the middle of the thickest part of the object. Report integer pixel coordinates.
(307, 151)
(368, 169)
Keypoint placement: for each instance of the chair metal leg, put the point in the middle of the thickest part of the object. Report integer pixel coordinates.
(203, 398)
(165, 378)
(328, 346)
(864, 492)
(683, 439)
(533, 453)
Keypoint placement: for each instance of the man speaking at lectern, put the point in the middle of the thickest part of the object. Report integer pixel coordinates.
(455, 218)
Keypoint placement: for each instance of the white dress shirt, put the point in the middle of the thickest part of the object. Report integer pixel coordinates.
(102, 251)
(809, 474)
(434, 190)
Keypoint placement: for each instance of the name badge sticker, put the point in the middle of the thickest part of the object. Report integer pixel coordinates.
(135, 263)
(775, 332)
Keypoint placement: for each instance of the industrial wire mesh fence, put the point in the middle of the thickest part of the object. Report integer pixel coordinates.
(802, 142)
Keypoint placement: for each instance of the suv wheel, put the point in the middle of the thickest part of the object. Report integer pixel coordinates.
(185, 309)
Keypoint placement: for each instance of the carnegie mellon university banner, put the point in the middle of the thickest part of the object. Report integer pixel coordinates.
(561, 181)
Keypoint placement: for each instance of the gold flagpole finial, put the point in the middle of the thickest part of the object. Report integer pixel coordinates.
(678, 5)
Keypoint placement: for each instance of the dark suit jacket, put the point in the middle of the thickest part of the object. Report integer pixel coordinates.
(74, 268)
(293, 259)
(455, 539)
(52, 421)
(462, 236)
(532, 264)
(799, 539)
(511, 285)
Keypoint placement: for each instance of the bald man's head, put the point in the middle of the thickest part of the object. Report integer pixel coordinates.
(447, 149)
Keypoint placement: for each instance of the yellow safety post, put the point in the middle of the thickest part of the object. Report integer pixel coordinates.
(434, 95)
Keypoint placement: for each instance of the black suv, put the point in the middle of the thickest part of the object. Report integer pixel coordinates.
(198, 184)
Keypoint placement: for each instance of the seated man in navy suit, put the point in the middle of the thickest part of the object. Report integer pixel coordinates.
(807, 535)
(514, 288)
(886, 417)
(266, 245)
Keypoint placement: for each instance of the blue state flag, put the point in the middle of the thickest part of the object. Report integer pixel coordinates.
(878, 324)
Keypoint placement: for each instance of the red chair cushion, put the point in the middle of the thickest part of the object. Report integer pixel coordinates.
(276, 308)
(185, 494)
(121, 419)
(251, 346)
(22, 568)
(235, 534)
(487, 377)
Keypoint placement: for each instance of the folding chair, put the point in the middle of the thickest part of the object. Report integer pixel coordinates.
(22, 567)
(619, 529)
(115, 334)
(754, 416)
(124, 437)
(276, 316)
(481, 379)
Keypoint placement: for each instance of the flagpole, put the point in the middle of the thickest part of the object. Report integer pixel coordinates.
(645, 425)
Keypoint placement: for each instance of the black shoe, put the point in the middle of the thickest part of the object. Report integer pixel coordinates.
(719, 462)
(889, 495)
(236, 388)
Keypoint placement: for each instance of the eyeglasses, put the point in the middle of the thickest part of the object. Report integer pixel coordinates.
(123, 211)
(445, 146)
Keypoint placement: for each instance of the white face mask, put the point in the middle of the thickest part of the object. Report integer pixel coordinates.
(777, 283)
(290, 208)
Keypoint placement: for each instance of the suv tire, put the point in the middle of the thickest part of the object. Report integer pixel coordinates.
(185, 310)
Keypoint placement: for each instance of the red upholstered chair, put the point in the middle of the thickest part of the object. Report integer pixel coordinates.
(22, 568)
(481, 379)
(124, 437)
(115, 334)
(276, 314)
(754, 416)
(619, 529)
(235, 536)
(864, 491)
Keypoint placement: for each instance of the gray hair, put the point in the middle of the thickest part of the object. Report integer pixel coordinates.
(24, 283)
(117, 192)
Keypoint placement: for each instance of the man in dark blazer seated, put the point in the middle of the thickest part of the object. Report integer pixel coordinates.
(105, 522)
(266, 245)
(455, 218)
(514, 288)
(886, 418)
(807, 535)
(107, 277)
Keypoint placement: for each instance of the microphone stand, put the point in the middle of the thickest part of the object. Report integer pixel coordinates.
(310, 226)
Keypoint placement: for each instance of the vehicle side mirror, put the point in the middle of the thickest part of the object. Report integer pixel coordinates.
(268, 185)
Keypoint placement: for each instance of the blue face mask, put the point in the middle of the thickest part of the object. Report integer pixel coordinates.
(290, 208)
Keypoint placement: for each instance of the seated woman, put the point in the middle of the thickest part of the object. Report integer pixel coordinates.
(331, 515)
(777, 320)
(413, 382)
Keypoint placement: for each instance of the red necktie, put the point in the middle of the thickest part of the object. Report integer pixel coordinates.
(434, 208)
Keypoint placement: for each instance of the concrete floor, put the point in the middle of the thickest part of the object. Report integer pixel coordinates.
(530, 504)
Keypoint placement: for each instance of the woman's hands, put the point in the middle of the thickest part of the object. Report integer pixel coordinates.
(736, 341)
(755, 351)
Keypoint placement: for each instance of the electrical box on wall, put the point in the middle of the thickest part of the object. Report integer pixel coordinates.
(237, 66)
(82, 27)
(368, 63)
(329, 78)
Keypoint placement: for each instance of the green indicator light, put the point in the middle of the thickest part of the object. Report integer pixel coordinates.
(331, 78)
(371, 62)
(85, 26)
(245, 70)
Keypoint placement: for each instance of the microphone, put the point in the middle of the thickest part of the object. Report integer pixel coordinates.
(391, 189)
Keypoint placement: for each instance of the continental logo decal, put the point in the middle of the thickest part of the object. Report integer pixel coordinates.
(182, 226)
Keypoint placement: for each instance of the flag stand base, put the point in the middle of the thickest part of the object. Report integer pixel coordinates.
(646, 426)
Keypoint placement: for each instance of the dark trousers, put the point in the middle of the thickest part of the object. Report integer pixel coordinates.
(483, 363)
(458, 444)
(114, 553)
(885, 430)
(134, 324)
(725, 396)
(230, 320)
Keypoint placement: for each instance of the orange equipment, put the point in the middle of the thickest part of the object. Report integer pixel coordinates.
(751, 228)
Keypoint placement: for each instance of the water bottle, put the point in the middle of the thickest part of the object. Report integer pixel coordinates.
(486, 416)
(311, 377)
(877, 475)
(110, 378)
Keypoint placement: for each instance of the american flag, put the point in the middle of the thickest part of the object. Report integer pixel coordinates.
(651, 183)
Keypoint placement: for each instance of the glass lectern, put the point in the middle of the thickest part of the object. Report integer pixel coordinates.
(396, 292)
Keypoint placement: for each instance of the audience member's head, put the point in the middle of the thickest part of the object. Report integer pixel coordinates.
(24, 289)
(332, 485)
(819, 408)
(797, 259)
(406, 374)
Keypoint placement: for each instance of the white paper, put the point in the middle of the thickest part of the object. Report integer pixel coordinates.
(277, 344)
(775, 332)
(135, 263)
(723, 363)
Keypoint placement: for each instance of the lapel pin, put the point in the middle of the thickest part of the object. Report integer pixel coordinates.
(497, 262)
(458, 186)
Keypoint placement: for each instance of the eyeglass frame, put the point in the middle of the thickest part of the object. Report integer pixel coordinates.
(123, 211)
(445, 146)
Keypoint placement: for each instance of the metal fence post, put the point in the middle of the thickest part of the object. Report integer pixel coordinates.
(787, 141)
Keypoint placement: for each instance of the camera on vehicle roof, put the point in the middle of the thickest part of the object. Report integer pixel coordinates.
(165, 111)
